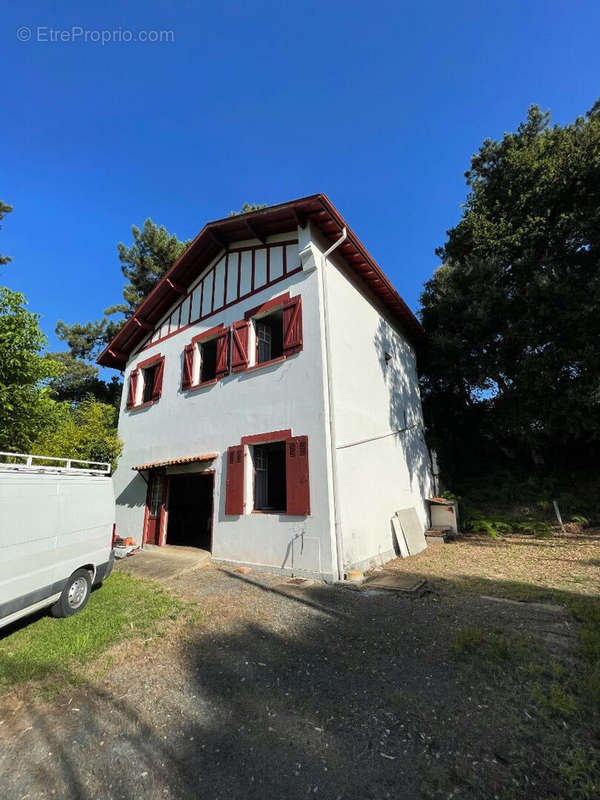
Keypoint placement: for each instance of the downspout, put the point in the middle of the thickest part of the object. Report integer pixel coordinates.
(334, 476)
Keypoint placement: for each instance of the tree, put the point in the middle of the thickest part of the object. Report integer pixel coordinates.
(4, 209)
(512, 313)
(247, 208)
(87, 431)
(86, 340)
(26, 405)
(79, 379)
(153, 252)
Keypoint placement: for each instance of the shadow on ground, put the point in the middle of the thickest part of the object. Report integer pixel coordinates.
(361, 700)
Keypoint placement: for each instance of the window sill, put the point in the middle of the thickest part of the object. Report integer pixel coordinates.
(269, 363)
(142, 405)
(202, 385)
(269, 511)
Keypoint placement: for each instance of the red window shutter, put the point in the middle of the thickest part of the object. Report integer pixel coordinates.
(188, 366)
(239, 345)
(133, 382)
(223, 353)
(234, 493)
(296, 469)
(292, 325)
(158, 380)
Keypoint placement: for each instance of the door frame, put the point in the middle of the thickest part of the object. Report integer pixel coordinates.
(162, 516)
(164, 521)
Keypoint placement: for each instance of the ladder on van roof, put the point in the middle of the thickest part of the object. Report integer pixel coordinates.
(71, 466)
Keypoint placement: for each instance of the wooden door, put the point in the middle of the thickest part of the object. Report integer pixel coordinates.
(156, 501)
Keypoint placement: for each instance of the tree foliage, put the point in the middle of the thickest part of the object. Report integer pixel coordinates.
(26, 405)
(87, 431)
(87, 340)
(79, 379)
(153, 251)
(31, 419)
(152, 254)
(512, 313)
(247, 208)
(4, 209)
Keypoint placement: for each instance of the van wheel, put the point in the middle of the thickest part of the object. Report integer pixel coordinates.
(74, 596)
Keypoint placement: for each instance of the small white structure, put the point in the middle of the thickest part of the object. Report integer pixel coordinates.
(271, 411)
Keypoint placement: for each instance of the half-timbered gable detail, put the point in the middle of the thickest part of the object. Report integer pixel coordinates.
(272, 357)
(234, 276)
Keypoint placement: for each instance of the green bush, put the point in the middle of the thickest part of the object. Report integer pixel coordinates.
(87, 431)
(580, 519)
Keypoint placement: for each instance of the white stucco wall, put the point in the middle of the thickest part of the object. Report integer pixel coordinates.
(380, 452)
(382, 460)
(285, 395)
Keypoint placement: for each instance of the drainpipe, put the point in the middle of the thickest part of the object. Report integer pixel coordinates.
(334, 476)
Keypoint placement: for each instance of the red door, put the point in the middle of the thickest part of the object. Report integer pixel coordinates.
(156, 502)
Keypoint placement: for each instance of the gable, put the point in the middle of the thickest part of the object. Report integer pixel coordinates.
(227, 234)
(233, 276)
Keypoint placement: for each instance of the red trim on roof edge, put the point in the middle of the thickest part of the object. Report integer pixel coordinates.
(217, 235)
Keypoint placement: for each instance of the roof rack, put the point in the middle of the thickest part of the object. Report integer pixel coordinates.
(60, 465)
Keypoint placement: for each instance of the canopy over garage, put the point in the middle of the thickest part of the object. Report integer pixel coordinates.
(174, 462)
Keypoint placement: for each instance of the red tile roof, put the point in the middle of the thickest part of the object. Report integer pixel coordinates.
(173, 461)
(216, 236)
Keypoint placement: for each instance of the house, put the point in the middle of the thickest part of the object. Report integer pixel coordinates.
(271, 411)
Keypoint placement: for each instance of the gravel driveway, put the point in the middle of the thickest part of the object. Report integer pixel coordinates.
(320, 692)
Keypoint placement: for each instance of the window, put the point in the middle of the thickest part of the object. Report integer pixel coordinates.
(280, 481)
(206, 359)
(269, 337)
(156, 493)
(267, 333)
(269, 477)
(207, 352)
(148, 377)
(145, 382)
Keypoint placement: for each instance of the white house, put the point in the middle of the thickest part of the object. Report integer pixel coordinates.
(271, 410)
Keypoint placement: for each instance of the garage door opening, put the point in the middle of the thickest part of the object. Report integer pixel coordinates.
(190, 510)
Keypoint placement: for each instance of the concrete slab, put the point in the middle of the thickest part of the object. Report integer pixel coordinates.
(399, 534)
(412, 529)
(163, 563)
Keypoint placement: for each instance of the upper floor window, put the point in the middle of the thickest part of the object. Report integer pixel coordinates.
(148, 379)
(267, 333)
(207, 356)
(206, 359)
(145, 382)
(269, 336)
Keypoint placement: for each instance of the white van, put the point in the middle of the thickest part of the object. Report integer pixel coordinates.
(56, 533)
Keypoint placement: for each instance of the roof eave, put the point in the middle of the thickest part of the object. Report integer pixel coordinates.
(219, 234)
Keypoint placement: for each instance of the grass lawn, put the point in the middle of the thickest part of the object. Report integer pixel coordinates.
(57, 650)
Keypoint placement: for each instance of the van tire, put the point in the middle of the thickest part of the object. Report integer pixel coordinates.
(74, 596)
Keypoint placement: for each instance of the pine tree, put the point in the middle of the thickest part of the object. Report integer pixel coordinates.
(153, 251)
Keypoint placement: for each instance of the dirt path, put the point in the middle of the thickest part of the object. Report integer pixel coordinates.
(271, 696)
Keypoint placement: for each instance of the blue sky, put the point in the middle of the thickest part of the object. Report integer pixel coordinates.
(379, 105)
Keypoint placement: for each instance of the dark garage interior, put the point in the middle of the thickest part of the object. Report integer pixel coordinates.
(190, 507)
